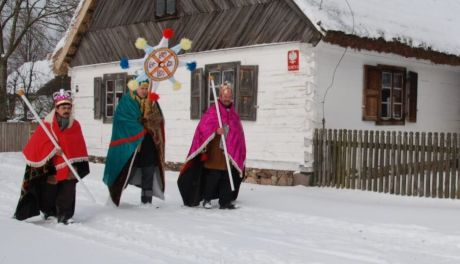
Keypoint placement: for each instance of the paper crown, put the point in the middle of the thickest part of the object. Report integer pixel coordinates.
(62, 97)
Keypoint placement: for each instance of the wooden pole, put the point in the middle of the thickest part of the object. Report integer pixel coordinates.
(216, 103)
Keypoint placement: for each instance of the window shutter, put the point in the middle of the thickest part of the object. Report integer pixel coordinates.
(371, 91)
(412, 86)
(247, 92)
(97, 98)
(197, 98)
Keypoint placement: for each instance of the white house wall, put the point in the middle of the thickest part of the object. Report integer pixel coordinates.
(284, 116)
(438, 91)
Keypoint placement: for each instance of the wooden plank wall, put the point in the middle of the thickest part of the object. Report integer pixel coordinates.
(116, 24)
(14, 136)
(401, 163)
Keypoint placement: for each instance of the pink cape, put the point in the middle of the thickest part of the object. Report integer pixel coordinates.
(206, 131)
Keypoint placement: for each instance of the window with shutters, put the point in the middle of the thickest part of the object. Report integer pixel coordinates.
(389, 95)
(108, 90)
(165, 9)
(243, 80)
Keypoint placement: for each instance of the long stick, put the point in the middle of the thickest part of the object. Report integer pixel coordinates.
(223, 135)
(24, 98)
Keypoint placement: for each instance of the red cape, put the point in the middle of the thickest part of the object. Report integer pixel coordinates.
(40, 149)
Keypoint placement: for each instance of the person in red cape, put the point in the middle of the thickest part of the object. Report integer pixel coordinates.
(204, 175)
(49, 186)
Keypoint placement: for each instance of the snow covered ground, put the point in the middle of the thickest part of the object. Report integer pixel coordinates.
(273, 225)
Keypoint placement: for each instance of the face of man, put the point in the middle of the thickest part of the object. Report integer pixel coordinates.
(143, 90)
(64, 110)
(226, 96)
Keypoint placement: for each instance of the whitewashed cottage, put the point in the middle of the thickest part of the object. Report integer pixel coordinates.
(288, 64)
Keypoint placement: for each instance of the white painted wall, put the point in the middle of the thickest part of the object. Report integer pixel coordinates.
(438, 90)
(284, 118)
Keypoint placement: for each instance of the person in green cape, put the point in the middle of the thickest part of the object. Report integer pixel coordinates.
(136, 150)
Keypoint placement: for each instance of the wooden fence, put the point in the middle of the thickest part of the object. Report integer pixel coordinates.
(14, 136)
(403, 163)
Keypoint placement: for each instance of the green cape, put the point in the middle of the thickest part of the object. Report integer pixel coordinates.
(127, 133)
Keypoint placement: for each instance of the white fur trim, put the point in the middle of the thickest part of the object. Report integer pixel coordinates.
(42, 162)
(72, 161)
(198, 151)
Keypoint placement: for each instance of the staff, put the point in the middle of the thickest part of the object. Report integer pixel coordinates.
(213, 86)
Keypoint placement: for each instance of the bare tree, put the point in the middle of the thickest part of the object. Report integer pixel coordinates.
(30, 77)
(18, 18)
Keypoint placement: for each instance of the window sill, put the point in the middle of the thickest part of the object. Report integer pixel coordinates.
(390, 122)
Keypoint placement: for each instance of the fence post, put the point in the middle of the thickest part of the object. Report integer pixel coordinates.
(447, 166)
(404, 166)
(410, 167)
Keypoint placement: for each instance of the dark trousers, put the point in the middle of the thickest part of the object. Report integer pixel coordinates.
(147, 184)
(59, 199)
(217, 182)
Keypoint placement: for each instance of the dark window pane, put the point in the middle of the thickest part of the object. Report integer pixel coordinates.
(109, 111)
(211, 96)
(217, 82)
(397, 111)
(398, 80)
(216, 77)
(397, 96)
(110, 86)
(109, 97)
(386, 95)
(120, 86)
(386, 79)
(171, 7)
(117, 98)
(385, 111)
(229, 77)
(160, 8)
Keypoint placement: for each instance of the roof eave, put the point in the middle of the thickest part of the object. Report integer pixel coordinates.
(395, 47)
(62, 57)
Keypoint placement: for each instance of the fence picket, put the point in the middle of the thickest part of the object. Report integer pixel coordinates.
(410, 165)
(404, 169)
(348, 158)
(440, 165)
(416, 186)
(381, 162)
(370, 161)
(398, 163)
(328, 158)
(15, 135)
(456, 160)
(447, 164)
(353, 174)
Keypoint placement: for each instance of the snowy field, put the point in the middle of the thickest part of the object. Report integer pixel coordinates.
(273, 225)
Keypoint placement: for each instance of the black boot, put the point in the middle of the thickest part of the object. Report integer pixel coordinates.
(146, 199)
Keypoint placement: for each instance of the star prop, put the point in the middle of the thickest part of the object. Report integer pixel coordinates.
(160, 63)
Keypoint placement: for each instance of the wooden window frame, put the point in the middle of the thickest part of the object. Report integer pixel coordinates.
(373, 93)
(244, 90)
(393, 70)
(121, 79)
(221, 68)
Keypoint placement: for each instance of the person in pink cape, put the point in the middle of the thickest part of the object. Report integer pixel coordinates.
(204, 176)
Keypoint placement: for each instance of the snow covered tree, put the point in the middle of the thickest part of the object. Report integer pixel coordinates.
(28, 21)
